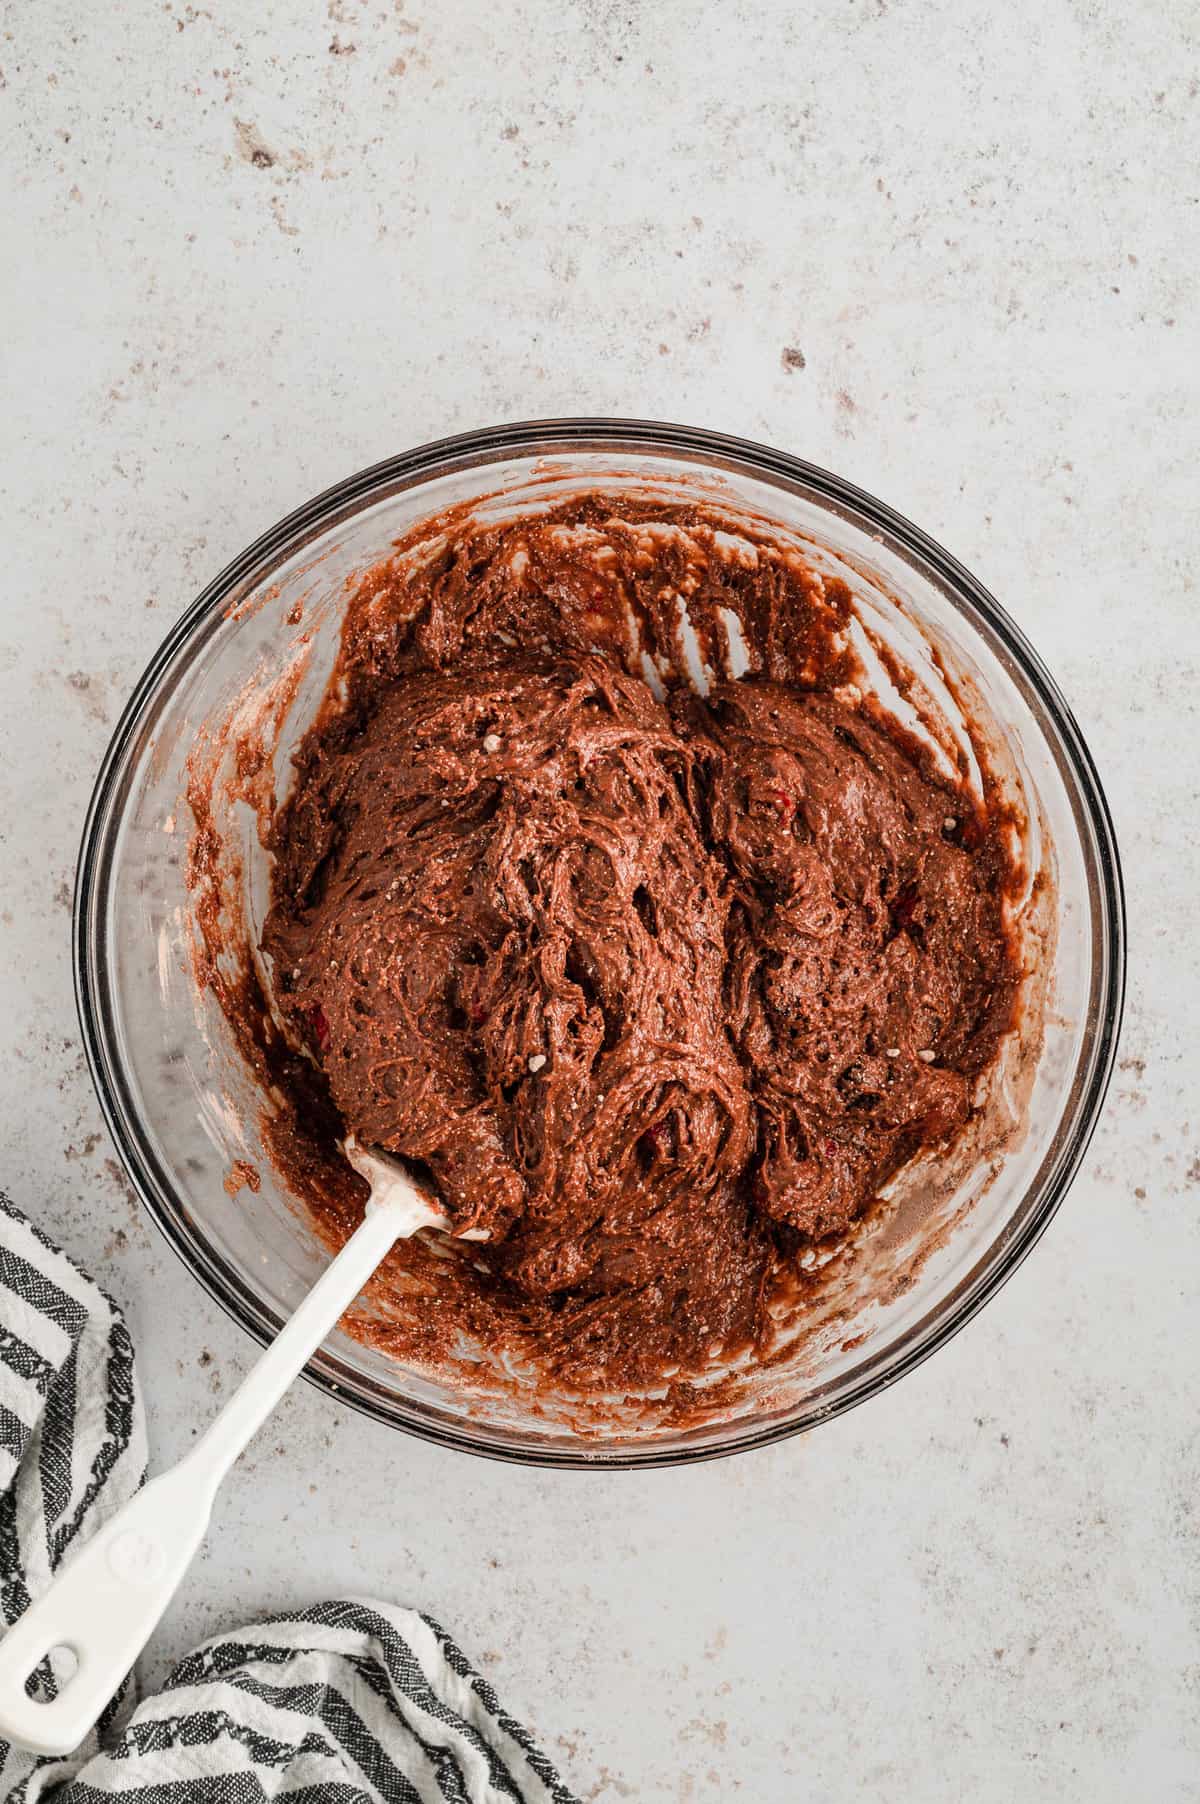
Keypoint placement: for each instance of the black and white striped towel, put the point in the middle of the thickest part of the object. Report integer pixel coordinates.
(345, 1703)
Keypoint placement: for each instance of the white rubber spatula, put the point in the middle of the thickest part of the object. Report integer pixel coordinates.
(103, 1605)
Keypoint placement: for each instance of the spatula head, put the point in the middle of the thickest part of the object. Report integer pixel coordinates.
(393, 1188)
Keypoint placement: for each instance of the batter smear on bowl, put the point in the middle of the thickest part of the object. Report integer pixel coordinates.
(657, 987)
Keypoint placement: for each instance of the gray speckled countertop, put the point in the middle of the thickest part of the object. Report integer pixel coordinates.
(946, 248)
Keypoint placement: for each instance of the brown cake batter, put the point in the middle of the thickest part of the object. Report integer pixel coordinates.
(657, 991)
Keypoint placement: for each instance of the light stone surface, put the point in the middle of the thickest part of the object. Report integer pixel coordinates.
(944, 247)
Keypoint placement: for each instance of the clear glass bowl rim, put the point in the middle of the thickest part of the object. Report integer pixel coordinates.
(545, 437)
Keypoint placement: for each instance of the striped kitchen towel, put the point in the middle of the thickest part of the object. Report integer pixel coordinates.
(344, 1703)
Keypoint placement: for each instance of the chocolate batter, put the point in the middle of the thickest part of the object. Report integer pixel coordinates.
(658, 990)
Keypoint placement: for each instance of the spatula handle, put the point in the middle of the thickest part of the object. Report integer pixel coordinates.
(105, 1602)
(102, 1608)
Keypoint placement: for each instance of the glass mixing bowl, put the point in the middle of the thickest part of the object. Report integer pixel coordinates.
(182, 1109)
